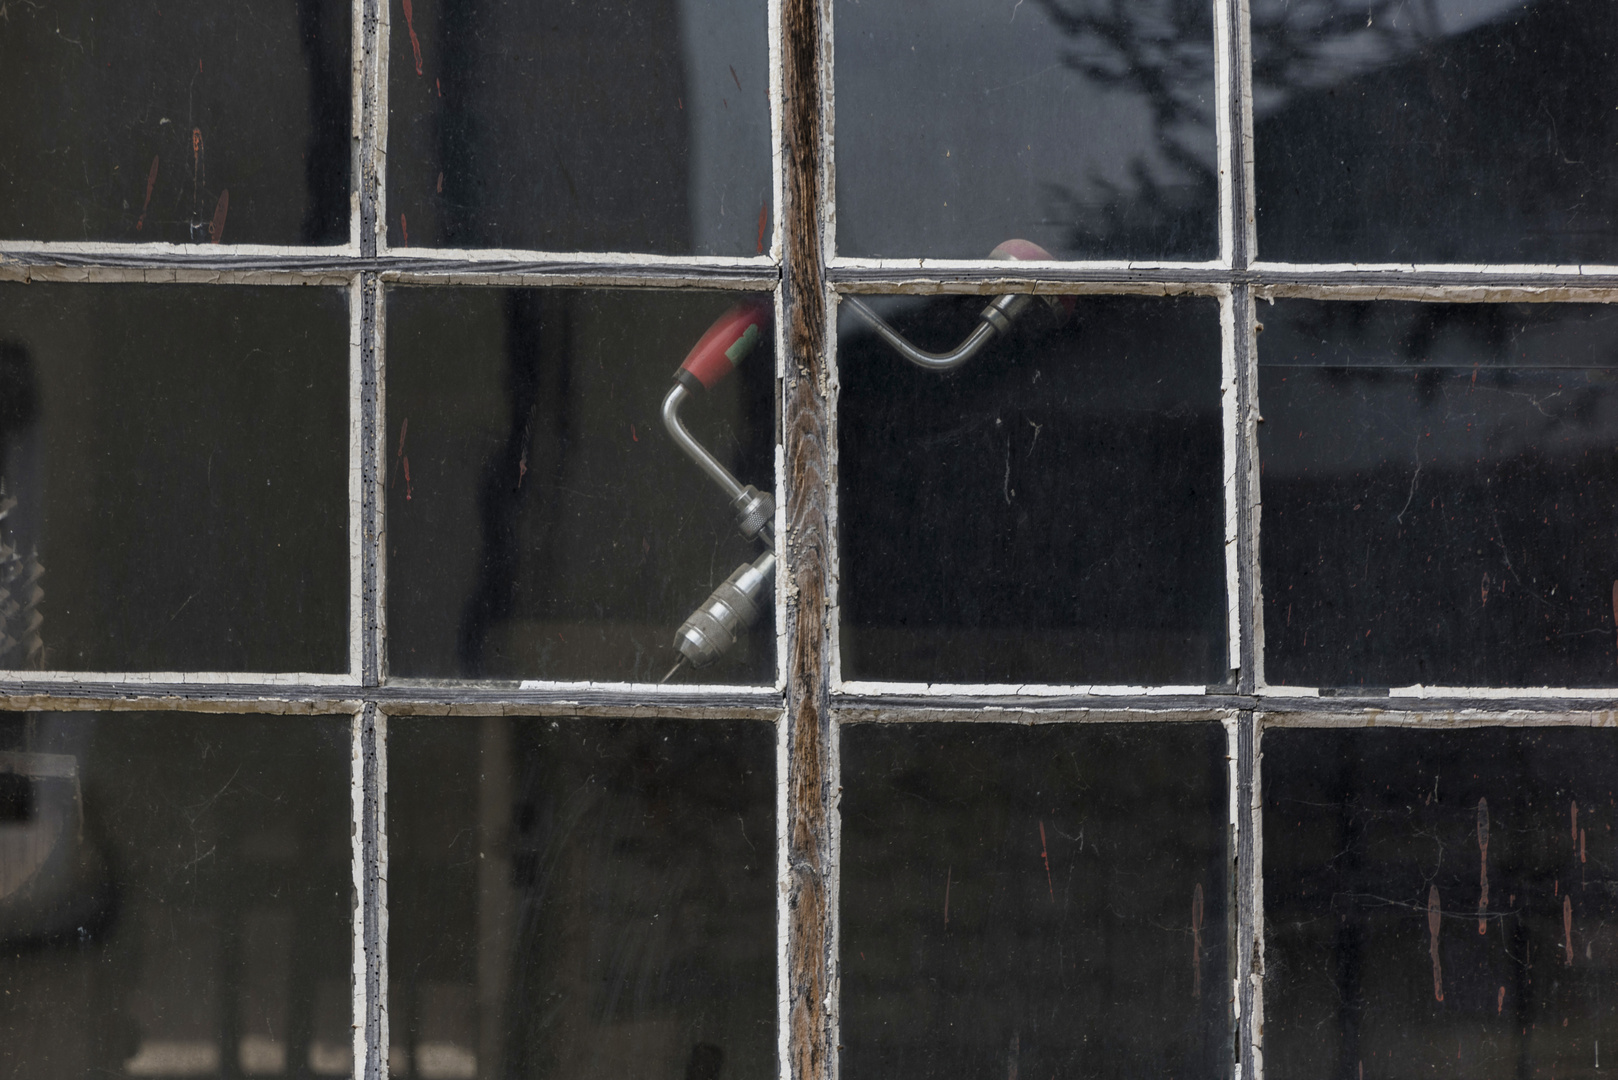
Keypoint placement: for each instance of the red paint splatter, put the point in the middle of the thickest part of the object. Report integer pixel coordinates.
(680, 102)
(948, 874)
(196, 152)
(1435, 916)
(439, 85)
(404, 227)
(216, 227)
(404, 429)
(440, 188)
(1500, 1002)
(1485, 590)
(1574, 832)
(1483, 864)
(1044, 853)
(764, 216)
(410, 24)
(632, 434)
(410, 490)
(1567, 926)
(151, 182)
(1581, 845)
(1196, 941)
(733, 76)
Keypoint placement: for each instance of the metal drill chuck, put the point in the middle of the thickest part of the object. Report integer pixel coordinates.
(755, 513)
(733, 607)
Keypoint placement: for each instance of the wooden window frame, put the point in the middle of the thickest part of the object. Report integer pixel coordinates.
(809, 702)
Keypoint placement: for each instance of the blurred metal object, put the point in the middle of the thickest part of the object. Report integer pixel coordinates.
(997, 318)
(755, 511)
(994, 319)
(713, 628)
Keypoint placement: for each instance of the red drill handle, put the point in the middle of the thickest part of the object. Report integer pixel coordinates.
(728, 341)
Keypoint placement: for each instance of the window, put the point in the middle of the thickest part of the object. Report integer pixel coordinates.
(1149, 467)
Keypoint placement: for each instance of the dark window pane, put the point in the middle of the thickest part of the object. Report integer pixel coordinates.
(582, 897)
(541, 521)
(619, 125)
(175, 120)
(1439, 903)
(175, 469)
(174, 895)
(1439, 494)
(1034, 901)
(1087, 128)
(1477, 131)
(1051, 511)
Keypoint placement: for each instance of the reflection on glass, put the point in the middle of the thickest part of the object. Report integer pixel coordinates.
(607, 126)
(173, 478)
(1439, 483)
(581, 897)
(1034, 901)
(1451, 130)
(542, 520)
(1439, 904)
(1085, 127)
(175, 120)
(174, 895)
(1048, 511)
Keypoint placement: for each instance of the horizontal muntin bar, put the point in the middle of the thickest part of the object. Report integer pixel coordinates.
(1418, 692)
(92, 694)
(1149, 707)
(1013, 691)
(1384, 282)
(96, 693)
(1160, 711)
(207, 264)
(1447, 719)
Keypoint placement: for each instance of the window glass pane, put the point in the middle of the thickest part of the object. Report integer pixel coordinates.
(581, 897)
(1050, 511)
(174, 895)
(542, 522)
(1439, 903)
(1034, 901)
(1439, 486)
(175, 120)
(608, 126)
(1087, 128)
(1454, 130)
(175, 470)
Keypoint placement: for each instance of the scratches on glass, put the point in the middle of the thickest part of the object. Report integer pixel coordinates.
(1384, 849)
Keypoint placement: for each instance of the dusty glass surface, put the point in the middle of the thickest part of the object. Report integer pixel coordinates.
(1451, 130)
(542, 522)
(1440, 482)
(174, 895)
(1034, 901)
(175, 120)
(174, 462)
(1439, 903)
(581, 897)
(607, 126)
(1050, 511)
(1086, 127)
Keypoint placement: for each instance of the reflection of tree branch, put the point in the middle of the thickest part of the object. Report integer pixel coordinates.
(1162, 52)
